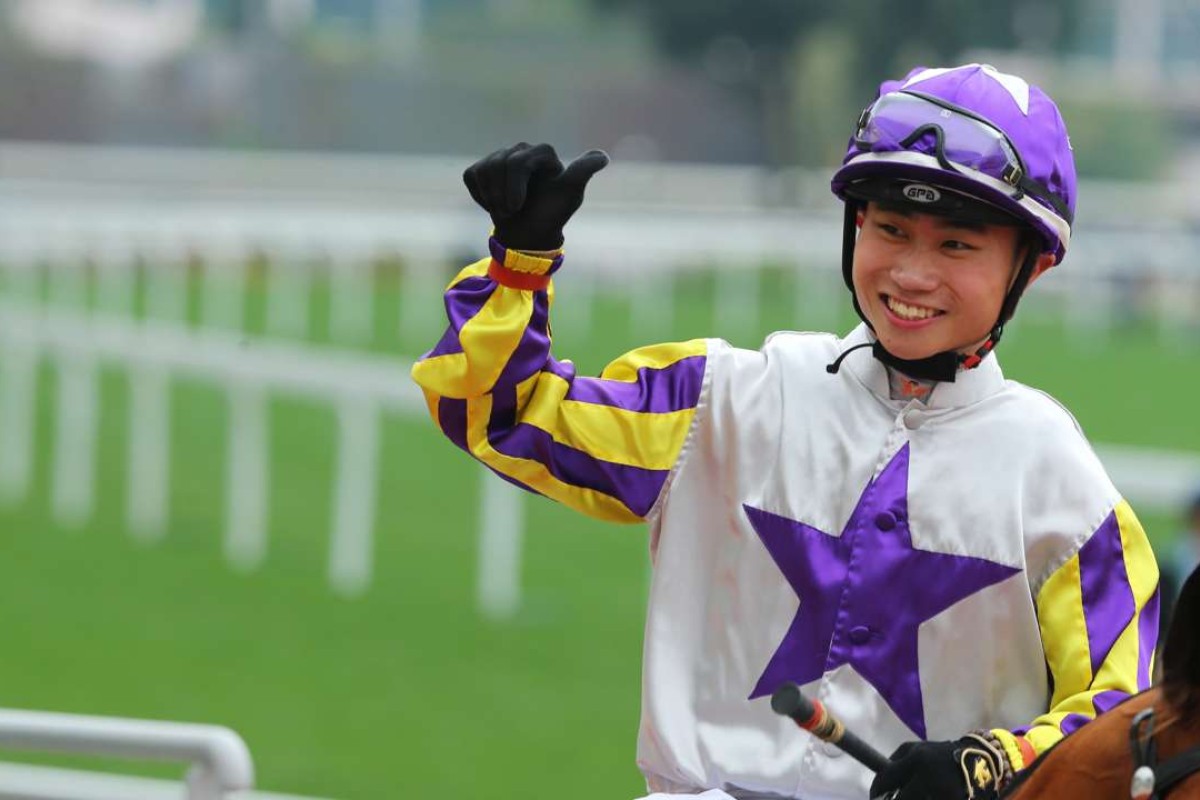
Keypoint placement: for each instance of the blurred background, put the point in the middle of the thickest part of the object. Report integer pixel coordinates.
(224, 231)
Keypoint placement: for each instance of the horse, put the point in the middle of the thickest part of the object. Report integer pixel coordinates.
(1147, 748)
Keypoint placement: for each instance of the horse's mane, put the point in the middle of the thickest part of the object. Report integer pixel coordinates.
(1181, 652)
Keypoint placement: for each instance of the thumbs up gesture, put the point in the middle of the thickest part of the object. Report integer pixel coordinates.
(529, 194)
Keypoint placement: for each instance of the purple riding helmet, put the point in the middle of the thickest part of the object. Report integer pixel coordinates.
(969, 142)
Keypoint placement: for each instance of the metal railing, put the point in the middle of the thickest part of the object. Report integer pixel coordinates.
(219, 763)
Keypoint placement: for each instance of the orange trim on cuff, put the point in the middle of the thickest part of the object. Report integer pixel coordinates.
(1028, 754)
(517, 280)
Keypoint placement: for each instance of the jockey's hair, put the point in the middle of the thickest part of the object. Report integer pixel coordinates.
(1181, 653)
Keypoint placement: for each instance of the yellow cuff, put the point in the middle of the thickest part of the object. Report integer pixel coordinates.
(550, 254)
(535, 263)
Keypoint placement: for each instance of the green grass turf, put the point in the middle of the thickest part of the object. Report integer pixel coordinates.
(398, 689)
(407, 690)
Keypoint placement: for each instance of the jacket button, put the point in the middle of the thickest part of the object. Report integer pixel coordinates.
(860, 634)
(885, 520)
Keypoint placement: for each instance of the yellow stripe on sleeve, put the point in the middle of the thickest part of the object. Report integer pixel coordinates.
(1065, 640)
(1141, 567)
(655, 356)
(1064, 631)
(650, 441)
(431, 402)
(617, 435)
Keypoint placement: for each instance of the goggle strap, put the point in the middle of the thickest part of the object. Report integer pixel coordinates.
(921, 130)
(1042, 192)
(939, 144)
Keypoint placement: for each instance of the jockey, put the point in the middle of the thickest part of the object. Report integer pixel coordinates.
(929, 549)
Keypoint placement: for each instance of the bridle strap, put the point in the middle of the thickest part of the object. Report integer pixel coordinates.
(1176, 769)
(1169, 773)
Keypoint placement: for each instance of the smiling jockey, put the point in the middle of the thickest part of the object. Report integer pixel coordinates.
(929, 549)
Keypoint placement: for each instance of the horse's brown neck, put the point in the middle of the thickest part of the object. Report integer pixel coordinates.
(1184, 700)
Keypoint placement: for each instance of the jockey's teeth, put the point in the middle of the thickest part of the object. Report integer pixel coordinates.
(906, 311)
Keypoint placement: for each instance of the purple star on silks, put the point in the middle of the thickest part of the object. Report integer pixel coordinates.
(864, 594)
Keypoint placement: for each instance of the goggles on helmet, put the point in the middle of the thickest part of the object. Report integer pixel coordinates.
(908, 120)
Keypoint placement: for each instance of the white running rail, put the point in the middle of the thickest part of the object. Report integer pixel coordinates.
(359, 386)
(219, 760)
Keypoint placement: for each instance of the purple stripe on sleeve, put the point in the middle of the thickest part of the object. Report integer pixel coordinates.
(533, 350)
(1073, 722)
(504, 410)
(449, 344)
(672, 388)
(463, 301)
(497, 250)
(1147, 638)
(562, 369)
(1107, 701)
(637, 488)
(452, 416)
(1108, 604)
(1102, 703)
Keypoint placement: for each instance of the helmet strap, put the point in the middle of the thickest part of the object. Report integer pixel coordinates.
(849, 238)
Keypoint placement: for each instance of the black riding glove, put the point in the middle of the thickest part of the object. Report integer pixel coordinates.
(529, 194)
(969, 769)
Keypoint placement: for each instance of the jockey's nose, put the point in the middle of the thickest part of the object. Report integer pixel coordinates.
(913, 271)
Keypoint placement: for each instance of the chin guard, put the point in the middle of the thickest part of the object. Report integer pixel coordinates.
(939, 367)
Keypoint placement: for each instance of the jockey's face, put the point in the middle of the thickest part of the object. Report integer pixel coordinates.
(931, 283)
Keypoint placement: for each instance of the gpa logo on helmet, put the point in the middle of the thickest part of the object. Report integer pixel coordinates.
(921, 193)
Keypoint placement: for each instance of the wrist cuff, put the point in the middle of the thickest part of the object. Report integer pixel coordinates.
(1018, 749)
(520, 269)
